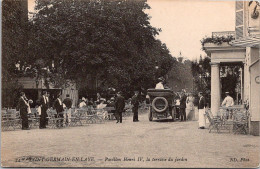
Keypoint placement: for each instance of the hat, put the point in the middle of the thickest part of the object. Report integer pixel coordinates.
(102, 99)
(227, 92)
(83, 98)
(112, 98)
(160, 78)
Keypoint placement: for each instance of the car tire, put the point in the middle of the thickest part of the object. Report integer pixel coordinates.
(160, 110)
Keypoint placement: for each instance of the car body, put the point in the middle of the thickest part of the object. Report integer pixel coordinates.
(162, 104)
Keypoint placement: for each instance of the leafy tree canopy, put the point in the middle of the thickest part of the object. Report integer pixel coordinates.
(112, 40)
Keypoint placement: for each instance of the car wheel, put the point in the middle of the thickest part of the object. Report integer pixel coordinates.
(165, 106)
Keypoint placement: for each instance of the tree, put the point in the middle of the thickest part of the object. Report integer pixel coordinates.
(14, 48)
(201, 72)
(108, 40)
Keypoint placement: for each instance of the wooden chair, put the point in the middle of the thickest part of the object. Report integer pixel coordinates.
(53, 121)
(214, 122)
(240, 123)
(110, 115)
(10, 119)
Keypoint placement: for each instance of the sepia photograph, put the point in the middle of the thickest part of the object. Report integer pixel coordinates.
(130, 83)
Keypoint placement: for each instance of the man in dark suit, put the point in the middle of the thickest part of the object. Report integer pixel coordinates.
(135, 103)
(201, 106)
(183, 106)
(119, 106)
(23, 107)
(44, 107)
(59, 109)
(68, 103)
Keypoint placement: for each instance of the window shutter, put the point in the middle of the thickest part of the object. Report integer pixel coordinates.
(239, 19)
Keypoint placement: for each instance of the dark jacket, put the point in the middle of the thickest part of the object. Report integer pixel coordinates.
(44, 105)
(120, 103)
(183, 101)
(68, 102)
(135, 101)
(201, 103)
(22, 106)
(58, 107)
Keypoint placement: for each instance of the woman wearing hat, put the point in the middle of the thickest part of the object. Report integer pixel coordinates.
(190, 107)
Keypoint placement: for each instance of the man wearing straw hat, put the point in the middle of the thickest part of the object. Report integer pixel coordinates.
(228, 102)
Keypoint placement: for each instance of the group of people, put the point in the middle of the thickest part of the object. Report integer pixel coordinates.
(187, 109)
(118, 102)
(63, 109)
(185, 102)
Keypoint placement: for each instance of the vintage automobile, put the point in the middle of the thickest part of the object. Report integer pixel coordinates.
(162, 105)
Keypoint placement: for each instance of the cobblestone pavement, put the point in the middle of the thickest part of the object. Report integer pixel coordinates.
(164, 143)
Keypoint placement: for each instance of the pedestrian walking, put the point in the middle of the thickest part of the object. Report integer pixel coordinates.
(58, 105)
(68, 103)
(44, 107)
(23, 106)
(119, 106)
(202, 119)
(135, 103)
(183, 106)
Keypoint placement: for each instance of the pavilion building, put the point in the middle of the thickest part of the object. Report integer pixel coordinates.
(238, 58)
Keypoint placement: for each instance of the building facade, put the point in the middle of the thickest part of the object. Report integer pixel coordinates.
(242, 53)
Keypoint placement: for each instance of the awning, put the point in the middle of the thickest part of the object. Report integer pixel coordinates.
(246, 42)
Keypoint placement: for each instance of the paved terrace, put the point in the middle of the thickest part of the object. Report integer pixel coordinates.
(166, 144)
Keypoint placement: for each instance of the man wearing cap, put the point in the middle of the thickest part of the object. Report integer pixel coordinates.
(135, 103)
(228, 102)
(119, 106)
(202, 119)
(68, 104)
(160, 84)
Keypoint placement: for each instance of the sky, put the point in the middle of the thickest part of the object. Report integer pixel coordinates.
(185, 22)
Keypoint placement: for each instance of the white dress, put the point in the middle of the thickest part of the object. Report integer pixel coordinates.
(190, 108)
(202, 118)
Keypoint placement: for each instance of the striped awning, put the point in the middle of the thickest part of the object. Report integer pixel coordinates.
(246, 42)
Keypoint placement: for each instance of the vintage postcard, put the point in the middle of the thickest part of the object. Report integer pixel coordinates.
(130, 83)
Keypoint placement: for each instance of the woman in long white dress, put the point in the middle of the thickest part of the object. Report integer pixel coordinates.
(190, 107)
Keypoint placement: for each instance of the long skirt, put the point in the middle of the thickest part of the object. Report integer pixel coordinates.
(202, 119)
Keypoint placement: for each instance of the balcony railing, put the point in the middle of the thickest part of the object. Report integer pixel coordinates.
(223, 34)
